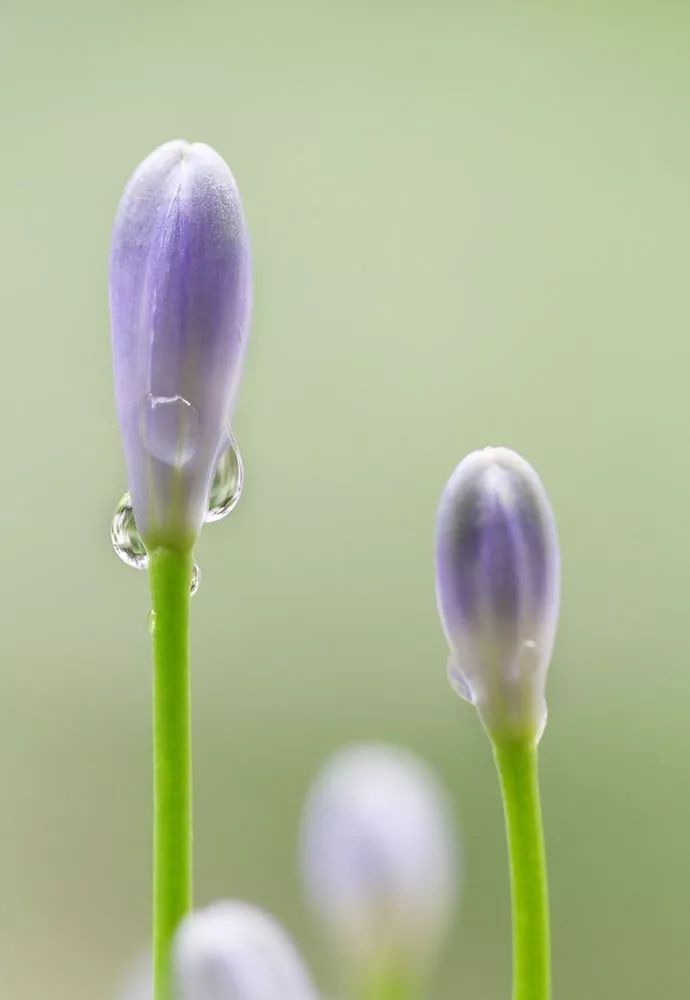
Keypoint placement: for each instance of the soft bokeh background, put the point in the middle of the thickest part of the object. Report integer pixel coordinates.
(471, 225)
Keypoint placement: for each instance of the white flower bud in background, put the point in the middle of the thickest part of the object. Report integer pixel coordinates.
(139, 982)
(378, 856)
(233, 951)
(497, 583)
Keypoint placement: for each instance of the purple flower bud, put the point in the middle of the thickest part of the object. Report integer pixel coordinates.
(180, 300)
(378, 852)
(497, 584)
(233, 951)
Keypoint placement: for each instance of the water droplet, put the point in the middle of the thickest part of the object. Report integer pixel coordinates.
(125, 537)
(152, 621)
(543, 719)
(524, 663)
(169, 427)
(458, 681)
(132, 551)
(227, 483)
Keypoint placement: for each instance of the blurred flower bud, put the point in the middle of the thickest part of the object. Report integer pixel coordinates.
(378, 855)
(497, 583)
(139, 982)
(233, 951)
(180, 299)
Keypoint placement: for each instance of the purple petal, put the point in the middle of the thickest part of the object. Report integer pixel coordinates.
(180, 300)
(498, 575)
(378, 852)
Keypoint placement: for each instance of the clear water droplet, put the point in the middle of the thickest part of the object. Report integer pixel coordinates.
(131, 550)
(227, 483)
(152, 621)
(125, 536)
(524, 663)
(458, 681)
(169, 428)
(543, 719)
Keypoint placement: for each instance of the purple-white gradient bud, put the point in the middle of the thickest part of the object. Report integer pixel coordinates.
(378, 856)
(180, 301)
(234, 951)
(497, 585)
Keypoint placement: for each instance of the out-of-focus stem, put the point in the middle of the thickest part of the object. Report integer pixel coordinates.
(389, 983)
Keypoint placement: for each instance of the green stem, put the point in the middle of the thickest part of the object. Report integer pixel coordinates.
(170, 574)
(518, 772)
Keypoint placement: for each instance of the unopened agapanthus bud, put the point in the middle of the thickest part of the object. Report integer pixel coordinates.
(180, 299)
(497, 583)
(378, 855)
(233, 951)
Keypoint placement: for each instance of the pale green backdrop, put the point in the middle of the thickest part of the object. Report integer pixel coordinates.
(471, 225)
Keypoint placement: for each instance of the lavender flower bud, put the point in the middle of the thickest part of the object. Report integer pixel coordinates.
(180, 299)
(497, 584)
(378, 856)
(233, 951)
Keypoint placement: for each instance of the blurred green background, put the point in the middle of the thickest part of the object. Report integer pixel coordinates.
(471, 225)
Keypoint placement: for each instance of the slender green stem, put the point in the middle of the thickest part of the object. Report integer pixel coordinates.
(518, 772)
(170, 574)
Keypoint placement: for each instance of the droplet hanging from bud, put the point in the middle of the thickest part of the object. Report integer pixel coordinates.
(227, 482)
(125, 537)
(458, 681)
(128, 544)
